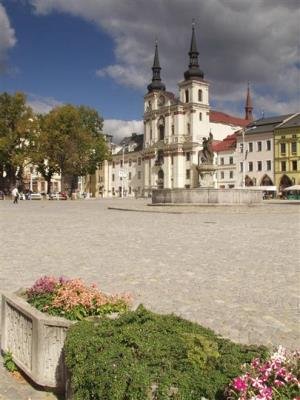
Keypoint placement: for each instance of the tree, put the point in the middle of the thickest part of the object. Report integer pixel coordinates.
(71, 142)
(17, 128)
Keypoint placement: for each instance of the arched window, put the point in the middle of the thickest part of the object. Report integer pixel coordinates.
(186, 96)
(161, 132)
(161, 128)
(266, 181)
(200, 116)
(199, 95)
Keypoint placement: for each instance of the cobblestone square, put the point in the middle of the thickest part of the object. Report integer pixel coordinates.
(233, 269)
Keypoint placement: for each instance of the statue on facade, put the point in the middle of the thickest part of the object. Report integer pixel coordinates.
(207, 155)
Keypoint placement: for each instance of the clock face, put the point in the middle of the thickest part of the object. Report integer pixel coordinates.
(161, 100)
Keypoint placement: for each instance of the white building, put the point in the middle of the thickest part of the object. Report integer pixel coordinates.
(174, 127)
(226, 161)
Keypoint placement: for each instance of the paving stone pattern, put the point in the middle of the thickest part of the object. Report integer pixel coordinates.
(233, 269)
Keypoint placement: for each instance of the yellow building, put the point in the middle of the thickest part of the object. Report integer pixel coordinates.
(287, 152)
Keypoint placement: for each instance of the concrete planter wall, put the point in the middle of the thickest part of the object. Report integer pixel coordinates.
(206, 196)
(35, 340)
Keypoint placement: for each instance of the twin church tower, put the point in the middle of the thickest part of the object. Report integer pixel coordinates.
(174, 127)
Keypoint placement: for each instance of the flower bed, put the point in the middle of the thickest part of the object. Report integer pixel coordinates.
(33, 330)
(277, 378)
(72, 299)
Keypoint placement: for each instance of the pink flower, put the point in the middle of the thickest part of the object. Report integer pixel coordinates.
(266, 392)
(257, 383)
(278, 383)
(240, 384)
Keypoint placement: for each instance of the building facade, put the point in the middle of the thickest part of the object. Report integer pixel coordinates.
(226, 161)
(255, 152)
(287, 152)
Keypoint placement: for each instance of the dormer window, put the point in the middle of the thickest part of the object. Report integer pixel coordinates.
(200, 95)
(186, 96)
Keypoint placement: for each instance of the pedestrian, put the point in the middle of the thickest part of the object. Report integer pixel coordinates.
(15, 194)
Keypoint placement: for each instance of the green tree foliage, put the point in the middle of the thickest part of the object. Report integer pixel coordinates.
(70, 142)
(17, 129)
(147, 356)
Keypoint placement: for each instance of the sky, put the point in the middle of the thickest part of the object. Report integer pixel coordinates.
(99, 53)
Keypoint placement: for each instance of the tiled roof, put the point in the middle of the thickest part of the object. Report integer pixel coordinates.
(265, 125)
(292, 122)
(228, 143)
(222, 118)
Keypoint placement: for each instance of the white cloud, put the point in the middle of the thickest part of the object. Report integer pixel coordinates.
(40, 104)
(237, 40)
(120, 128)
(7, 37)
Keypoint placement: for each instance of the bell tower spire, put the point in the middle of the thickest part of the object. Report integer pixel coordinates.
(248, 105)
(194, 72)
(156, 83)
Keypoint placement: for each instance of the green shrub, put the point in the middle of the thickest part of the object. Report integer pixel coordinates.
(8, 362)
(143, 355)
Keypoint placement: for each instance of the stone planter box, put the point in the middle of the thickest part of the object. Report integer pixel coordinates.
(36, 341)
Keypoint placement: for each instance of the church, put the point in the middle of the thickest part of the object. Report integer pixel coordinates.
(174, 127)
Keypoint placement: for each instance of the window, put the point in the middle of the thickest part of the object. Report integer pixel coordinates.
(121, 163)
(230, 160)
(186, 96)
(294, 165)
(173, 130)
(188, 156)
(129, 190)
(129, 175)
(188, 128)
(268, 165)
(113, 164)
(139, 161)
(151, 134)
(200, 116)
(250, 146)
(294, 147)
(113, 191)
(231, 174)
(139, 174)
(250, 166)
(259, 165)
(100, 166)
(282, 148)
(222, 160)
(161, 132)
(241, 167)
(222, 175)
(241, 147)
(188, 174)
(113, 177)
(268, 145)
(200, 95)
(258, 146)
(172, 160)
(283, 166)
(129, 162)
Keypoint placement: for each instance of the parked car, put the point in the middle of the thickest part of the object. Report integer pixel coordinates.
(36, 196)
(58, 196)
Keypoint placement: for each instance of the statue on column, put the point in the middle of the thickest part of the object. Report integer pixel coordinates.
(207, 156)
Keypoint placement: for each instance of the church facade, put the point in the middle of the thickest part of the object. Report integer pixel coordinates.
(174, 127)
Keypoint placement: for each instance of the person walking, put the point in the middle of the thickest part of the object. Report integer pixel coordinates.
(15, 194)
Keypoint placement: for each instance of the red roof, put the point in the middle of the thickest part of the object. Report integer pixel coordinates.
(228, 143)
(220, 117)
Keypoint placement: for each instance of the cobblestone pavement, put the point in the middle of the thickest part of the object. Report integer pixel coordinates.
(233, 269)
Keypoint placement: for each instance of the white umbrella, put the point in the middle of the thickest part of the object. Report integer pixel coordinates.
(294, 187)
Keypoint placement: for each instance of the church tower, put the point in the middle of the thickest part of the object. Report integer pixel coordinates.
(194, 94)
(248, 106)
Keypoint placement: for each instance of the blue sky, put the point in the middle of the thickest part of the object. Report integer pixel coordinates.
(99, 53)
